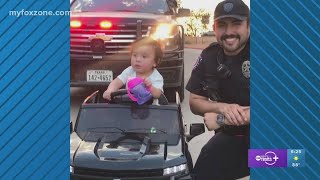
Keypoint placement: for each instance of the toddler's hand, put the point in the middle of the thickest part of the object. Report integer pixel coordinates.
(107, 94)
(147, 82)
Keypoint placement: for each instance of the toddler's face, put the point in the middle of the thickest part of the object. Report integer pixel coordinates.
(143, 59)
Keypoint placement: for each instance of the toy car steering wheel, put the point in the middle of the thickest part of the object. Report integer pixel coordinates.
(120, 97)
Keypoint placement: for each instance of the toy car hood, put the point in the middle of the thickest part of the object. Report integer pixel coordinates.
(125, 155)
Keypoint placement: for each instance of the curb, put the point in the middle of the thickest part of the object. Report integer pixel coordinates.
(194, 47)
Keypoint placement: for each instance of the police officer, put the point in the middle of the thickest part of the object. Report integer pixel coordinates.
(220, 91)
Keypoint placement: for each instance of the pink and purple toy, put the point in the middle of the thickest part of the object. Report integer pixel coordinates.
(137, 90)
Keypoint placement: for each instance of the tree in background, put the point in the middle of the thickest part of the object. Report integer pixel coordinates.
(179, 3)
(197, 23)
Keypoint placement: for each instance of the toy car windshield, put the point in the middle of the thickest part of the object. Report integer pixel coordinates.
(123, 119)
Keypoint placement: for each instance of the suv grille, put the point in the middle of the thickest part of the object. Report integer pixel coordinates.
(122, 36)
(120, 174)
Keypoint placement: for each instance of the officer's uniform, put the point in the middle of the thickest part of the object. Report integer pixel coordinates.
(225, 156)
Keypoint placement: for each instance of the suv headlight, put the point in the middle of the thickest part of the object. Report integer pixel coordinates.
(167, 35)
(71, 169)
(174, 169)
(164, 31)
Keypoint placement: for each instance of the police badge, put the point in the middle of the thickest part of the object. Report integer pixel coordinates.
(246, 69)
(227, 7)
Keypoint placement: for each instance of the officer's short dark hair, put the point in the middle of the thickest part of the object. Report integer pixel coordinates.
(248, 20)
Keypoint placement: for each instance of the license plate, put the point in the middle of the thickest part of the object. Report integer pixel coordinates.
(99, 76)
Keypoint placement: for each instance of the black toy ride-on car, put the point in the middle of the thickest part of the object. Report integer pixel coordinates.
(122, 140)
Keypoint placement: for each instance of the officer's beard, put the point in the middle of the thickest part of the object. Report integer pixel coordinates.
(233, 49)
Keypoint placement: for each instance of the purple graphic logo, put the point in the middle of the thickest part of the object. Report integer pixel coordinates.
(267, 158)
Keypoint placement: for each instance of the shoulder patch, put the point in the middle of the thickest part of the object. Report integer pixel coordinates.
(197, 62)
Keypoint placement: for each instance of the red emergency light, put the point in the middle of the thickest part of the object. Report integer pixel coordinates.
(105, 24)
(75, 24)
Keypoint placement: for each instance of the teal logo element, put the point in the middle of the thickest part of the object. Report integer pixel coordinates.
(296, 158)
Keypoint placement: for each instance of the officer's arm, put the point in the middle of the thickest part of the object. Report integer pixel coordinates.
(210, 120)
(200, 105)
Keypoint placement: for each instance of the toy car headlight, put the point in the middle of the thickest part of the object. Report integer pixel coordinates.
(71, 169)
(174, 169)
(163, 31)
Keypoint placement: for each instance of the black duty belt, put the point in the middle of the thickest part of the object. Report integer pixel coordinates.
(235, 130)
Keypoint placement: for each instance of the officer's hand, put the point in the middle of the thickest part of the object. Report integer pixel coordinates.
(247, 111)
(234, 113)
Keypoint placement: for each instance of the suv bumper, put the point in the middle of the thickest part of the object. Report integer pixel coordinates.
(87, 177)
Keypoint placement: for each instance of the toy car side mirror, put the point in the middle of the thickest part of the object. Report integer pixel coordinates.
(195, 130)
(183, 12)
(71, 127)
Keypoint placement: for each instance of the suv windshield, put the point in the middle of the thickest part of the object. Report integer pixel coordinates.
(128, 120)
(145, 6)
